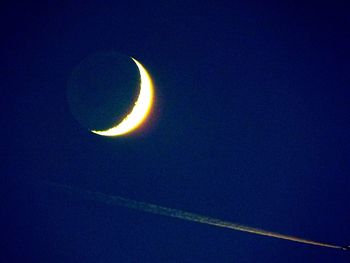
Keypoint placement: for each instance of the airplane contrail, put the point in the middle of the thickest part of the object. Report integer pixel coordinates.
(171, 212)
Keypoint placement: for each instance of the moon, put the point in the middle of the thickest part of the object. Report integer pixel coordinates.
(139, 112)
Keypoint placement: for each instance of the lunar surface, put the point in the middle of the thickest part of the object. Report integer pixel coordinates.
(110, 94)
(141, 109)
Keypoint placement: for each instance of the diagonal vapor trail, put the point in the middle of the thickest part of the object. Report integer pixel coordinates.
(170, 212)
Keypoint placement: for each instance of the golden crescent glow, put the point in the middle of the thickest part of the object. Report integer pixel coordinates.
(141, 109)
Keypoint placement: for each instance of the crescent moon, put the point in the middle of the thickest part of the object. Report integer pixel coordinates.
(140, 110)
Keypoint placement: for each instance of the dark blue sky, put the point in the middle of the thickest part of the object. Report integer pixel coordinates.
(251, 125)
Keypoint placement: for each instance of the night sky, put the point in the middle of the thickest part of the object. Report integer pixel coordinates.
(251, 125)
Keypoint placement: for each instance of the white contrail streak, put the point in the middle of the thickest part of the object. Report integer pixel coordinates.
(170, 212)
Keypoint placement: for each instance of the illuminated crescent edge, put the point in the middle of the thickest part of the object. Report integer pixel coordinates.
(141, 109)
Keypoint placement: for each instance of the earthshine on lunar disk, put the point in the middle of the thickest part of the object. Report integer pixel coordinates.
(139, 112)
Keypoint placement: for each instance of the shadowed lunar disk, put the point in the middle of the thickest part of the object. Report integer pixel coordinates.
(110, 94)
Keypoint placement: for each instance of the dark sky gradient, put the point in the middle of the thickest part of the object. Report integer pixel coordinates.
(251, 125)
